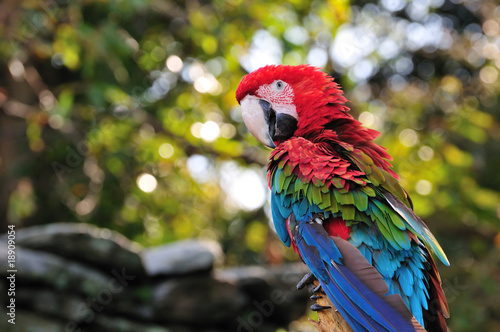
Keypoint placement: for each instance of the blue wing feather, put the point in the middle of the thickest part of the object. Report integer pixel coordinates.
(347, 308)
(326, 249)
(363, 306)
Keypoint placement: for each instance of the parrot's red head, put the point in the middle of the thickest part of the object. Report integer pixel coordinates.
(278, 102)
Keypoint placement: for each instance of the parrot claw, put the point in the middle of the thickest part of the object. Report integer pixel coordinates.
(316, 289)
(306, 280)
(315, 297)
(317, 307)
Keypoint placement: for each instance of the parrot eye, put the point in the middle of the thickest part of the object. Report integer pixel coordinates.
(280, 85)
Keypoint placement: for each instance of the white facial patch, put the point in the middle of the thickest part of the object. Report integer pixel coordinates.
(280, 95)
(254, 119)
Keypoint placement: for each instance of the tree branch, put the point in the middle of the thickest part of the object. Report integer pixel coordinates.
(329, 320)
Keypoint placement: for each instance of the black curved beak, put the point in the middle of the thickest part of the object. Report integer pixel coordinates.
(281, 126)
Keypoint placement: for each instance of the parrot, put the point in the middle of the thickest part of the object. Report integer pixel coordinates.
(337, 201)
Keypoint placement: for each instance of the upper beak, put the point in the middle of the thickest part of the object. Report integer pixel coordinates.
(257, 118)
(265, 123)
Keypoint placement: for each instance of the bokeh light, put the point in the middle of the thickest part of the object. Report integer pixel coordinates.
(174, 63)
(209, 131)
(166, 150)
(245, 188)
(146, 182)
(423, 187)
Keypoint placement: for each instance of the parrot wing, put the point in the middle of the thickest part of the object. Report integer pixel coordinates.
(354, 286)
(370, 281)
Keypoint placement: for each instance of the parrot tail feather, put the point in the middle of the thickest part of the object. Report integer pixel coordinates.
(437, 309)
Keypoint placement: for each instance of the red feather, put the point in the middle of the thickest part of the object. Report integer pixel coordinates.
(337, 227)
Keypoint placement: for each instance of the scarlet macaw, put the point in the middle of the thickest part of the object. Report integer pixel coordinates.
(336, 200)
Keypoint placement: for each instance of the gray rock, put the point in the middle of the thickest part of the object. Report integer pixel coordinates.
(61, 305)
(35, 267)
(182, 257)
(135, 304)
(259, 280)
(81, 278)
(286, 274)
(31, 322)
(86, 243)
(273, 292)
(105, 323)
(197, 300)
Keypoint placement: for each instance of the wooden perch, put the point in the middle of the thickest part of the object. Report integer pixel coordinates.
(329, 320)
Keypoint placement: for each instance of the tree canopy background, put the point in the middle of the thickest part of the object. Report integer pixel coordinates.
(122, 114)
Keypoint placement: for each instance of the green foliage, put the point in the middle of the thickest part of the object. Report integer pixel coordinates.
(98, 96)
